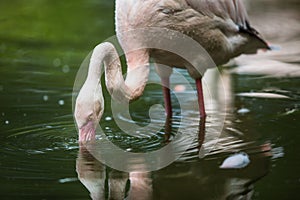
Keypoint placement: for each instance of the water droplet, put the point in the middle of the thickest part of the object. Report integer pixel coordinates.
(56, 62)
(289, 112)
(243, 111)
(129, 149)
(35, 152)
(66, 69)
(277, 152)
(67, 180)
(61, 102)
(25, 114)
(45, 97)
(107, 128)
(49, 126)
(3, 114)
(108, 118)
(6, 122)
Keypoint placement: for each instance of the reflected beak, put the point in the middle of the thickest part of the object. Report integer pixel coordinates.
(87, 132)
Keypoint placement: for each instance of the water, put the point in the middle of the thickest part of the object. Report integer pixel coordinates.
(41, 47)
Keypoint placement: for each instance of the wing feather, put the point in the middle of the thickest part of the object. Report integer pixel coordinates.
(233, 10)
(226, 9)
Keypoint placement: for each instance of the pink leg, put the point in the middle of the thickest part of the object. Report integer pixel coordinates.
(200, 98)
(167, 96)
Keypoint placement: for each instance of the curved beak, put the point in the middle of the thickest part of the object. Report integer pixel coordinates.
(87, 132)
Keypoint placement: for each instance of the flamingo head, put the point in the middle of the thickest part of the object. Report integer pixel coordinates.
(89, 108)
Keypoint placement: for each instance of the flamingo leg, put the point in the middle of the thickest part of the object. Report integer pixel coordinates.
(167, 95)
(200, 98)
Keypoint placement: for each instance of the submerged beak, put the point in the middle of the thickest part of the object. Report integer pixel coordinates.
(87, 132)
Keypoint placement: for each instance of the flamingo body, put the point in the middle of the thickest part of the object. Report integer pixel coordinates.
(221, 27)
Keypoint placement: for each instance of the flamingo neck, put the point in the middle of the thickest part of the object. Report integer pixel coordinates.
(120, 89)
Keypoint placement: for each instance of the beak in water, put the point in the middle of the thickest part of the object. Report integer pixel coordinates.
(87, 132)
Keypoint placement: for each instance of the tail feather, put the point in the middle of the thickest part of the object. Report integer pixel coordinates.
(255, 40)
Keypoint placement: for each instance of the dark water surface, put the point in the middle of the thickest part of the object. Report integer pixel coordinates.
(42, 44)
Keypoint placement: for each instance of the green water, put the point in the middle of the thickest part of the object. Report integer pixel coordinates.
(42, 44)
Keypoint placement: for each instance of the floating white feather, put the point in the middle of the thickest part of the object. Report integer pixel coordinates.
(236, 161)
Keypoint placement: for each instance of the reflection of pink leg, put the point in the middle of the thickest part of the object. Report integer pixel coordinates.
(167, 96)
(201, 134)
(200, 98)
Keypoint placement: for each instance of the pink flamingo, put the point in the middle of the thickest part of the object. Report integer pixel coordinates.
(220, 26)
